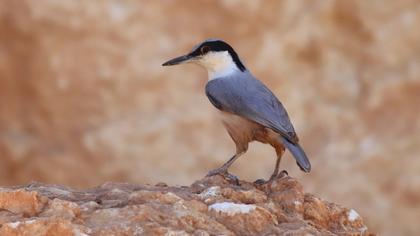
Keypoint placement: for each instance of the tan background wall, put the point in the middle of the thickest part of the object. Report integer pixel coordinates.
(84, 100)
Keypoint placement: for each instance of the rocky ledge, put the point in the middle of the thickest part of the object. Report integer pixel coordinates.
(211, 206)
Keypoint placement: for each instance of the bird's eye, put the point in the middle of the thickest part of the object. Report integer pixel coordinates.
(204, 49)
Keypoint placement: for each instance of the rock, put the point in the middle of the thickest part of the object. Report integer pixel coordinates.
(244, 219)
(211, 206)
(63, 209)
(27, 203)
(330, 216)
(43, 226)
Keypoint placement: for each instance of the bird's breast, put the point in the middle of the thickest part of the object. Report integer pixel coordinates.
(244, 131)
(239, 128)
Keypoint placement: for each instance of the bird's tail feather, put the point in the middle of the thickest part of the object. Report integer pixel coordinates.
(298, 154)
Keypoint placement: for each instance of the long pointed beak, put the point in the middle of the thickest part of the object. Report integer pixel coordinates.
(178, 60)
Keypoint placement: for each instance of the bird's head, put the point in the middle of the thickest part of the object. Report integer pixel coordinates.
(215, 55)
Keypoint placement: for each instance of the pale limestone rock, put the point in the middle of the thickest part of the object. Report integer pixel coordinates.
(132, 209)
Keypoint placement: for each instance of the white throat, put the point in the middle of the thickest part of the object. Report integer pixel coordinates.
(218, 64)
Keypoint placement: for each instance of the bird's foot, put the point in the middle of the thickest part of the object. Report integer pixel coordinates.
(282, 174)
(273, 177)
(260, 181)
(223, 172)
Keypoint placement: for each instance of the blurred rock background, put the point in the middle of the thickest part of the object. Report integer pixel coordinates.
(84, 99)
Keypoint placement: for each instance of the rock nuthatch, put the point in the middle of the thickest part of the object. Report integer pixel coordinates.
(250, 111)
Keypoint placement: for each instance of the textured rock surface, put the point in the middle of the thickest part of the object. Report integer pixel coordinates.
(84, 100)
(211, 206)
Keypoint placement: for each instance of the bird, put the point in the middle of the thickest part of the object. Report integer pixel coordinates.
(249, 109)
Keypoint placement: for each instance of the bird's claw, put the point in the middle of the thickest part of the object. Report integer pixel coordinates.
(223, 172)
(282, 174)
(260, 181)
(273, 177)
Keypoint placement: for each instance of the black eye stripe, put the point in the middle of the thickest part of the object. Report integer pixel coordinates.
(205, 49)
(219, 46)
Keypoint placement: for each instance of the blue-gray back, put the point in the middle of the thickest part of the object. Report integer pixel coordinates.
(243, 95)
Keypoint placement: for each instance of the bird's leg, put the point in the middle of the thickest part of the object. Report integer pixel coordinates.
(276, 169)
(276, 173)
(223, 170)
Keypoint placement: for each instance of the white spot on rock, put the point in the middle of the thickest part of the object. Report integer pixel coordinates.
(117, 191)
(77, 232)
(138, 230)
(173, 195)
(176, 233)
(232, 208)
(14, 225)
(363, 229)
(210, 192)
(352, 215)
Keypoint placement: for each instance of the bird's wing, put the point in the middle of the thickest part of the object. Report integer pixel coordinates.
(249, 98)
